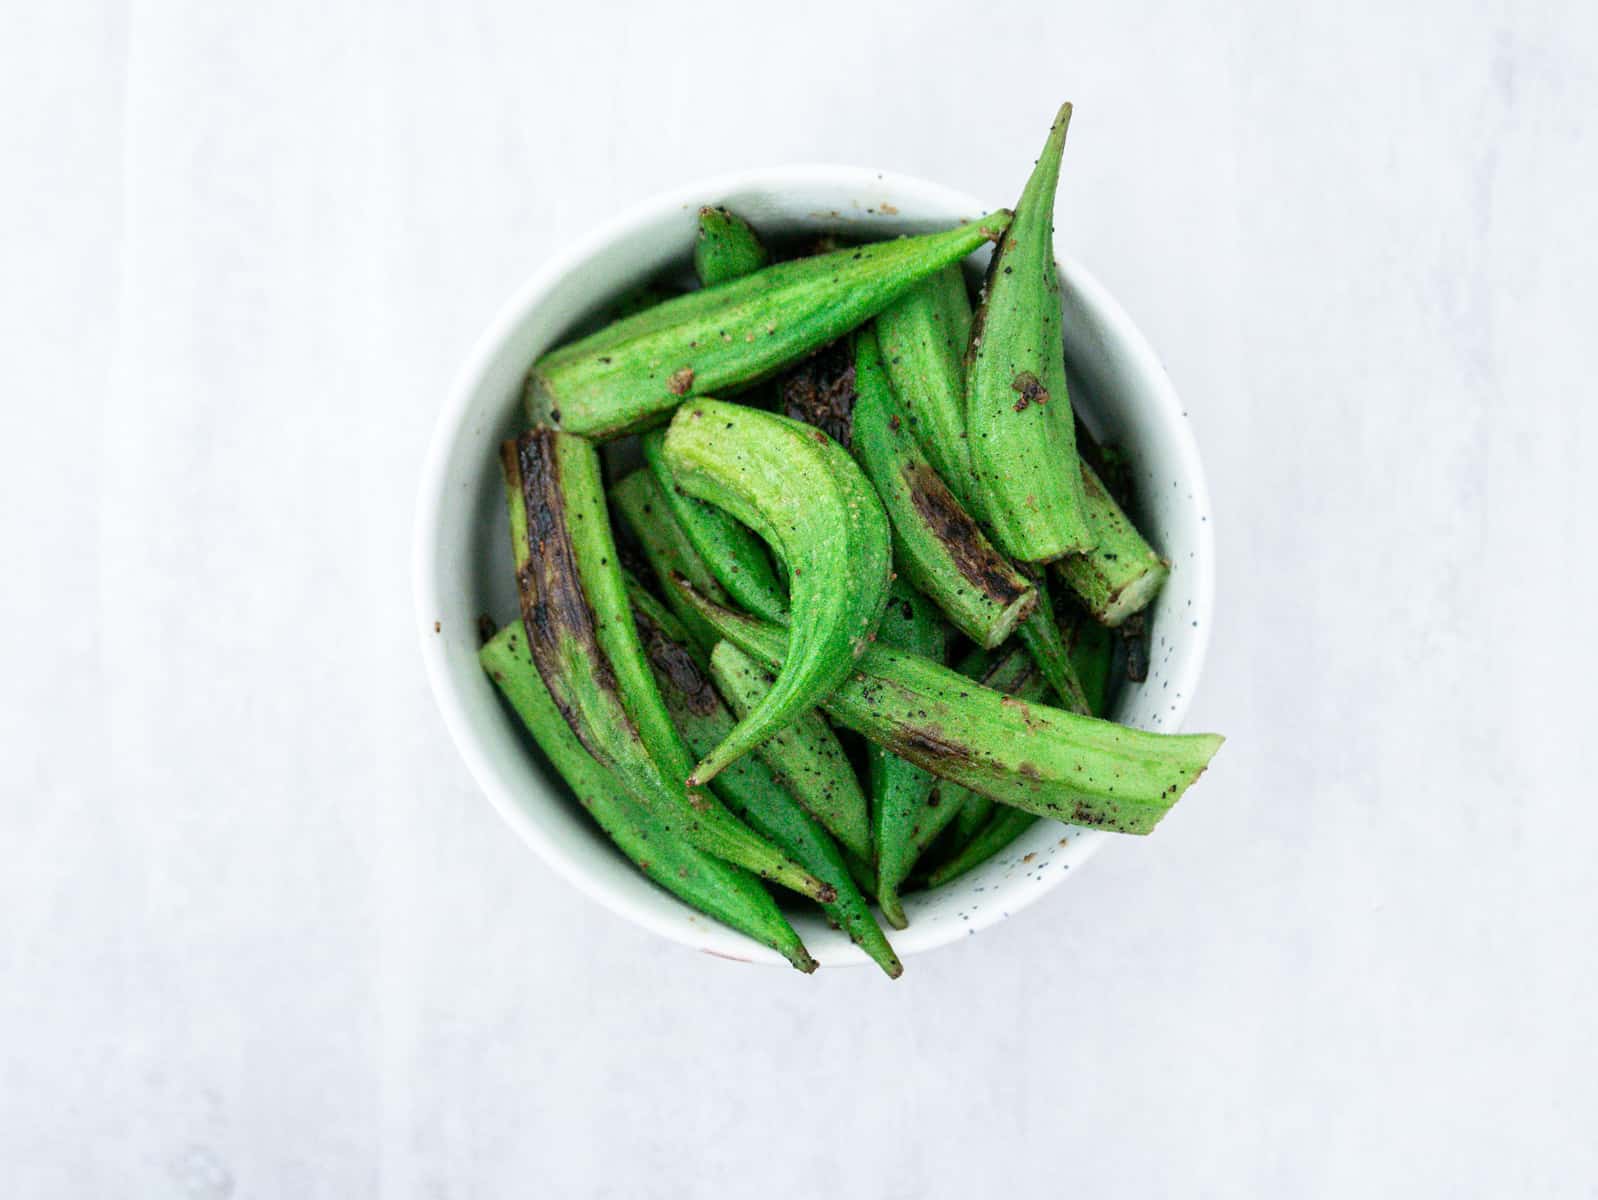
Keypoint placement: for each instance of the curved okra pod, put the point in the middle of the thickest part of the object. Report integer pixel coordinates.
(580, 631)
(805, 755)
(667, 550)
(749, 786)
(801, 492)
(727, 247)
(733, 554)
(1017, 412)
(1045, 760)
(1122, 573)
(937, 545)
(716, 888)
(923, 337)
(907, 812)
(1092, 652)
(629, 375)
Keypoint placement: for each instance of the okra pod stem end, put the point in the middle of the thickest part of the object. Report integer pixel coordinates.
(1136, 596)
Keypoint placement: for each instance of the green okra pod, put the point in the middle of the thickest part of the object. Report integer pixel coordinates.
(1017, 413)
(1093, 655)
(923, 337)
(907, 811)
(667, 549)
(630, 375)
(1092, 652)
(1014, 674)
(748, 786)
(997, 834)
(801, 492)
(1122, 573)
(716, 888)
(726, 248)
(580, 632)
(805, 755)
(733, 554)
(937, 545)
(1045, 760)
(1040, 634)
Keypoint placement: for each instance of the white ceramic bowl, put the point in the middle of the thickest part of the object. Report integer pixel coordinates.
(462, 558)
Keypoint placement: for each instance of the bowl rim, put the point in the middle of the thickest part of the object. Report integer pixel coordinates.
(451, 427)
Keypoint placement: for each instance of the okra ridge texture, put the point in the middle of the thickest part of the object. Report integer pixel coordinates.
(940, 547)
(906, 808)
(800, 491)
(629, 375)
(1045, 760)
(730, 551)
(805, 754)
(1019, 424)
(580, 631)
(749, 786)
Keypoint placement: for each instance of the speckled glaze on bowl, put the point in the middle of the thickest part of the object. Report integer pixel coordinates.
(461, 556)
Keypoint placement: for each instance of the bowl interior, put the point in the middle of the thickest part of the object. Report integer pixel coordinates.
(462, 557)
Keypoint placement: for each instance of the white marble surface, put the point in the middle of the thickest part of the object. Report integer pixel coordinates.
(259, 935)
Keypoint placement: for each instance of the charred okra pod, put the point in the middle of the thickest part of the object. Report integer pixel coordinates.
(748, 786)
(1018, 415)
(805, 755)
(631, 374)
(727, 247)
(907, 812)
(937, 545)
(1044, 760)
(716, 888)
(580, 631)
(801, 492)
(733, 554)
(919, 336)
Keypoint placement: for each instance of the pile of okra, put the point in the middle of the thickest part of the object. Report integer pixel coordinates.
(849, 628)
